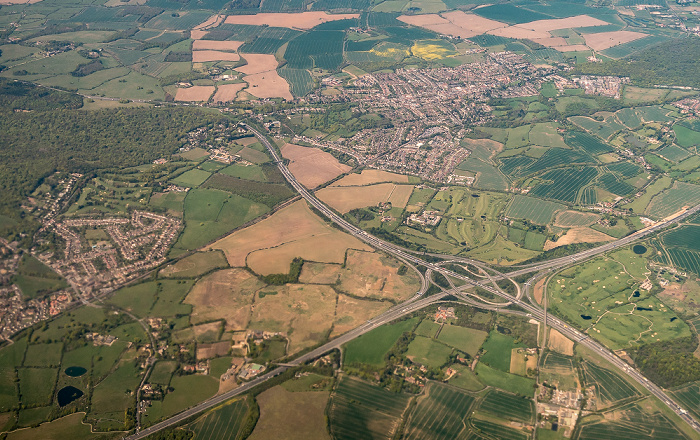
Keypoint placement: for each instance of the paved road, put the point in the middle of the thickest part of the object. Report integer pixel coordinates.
(533, 310)
(418, 302)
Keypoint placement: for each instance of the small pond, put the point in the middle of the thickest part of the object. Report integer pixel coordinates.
(67, 395)
(75, 371)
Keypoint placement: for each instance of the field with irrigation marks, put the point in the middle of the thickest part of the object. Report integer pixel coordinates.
(590, 144)
(611, 183)
(685, 259)
(360, 410)
(556, 157)
(558, 370)
(673, 153)
(492, 430)
(300, 80)
(687, 134)
(641, 421)
(532, 209)
(564, 184)
(508, 407)
(605, 129)
(487, 175)
(672, 200)
(440, 414)
(610, 387)
(689, 398)
(319, 49)
(224, 422)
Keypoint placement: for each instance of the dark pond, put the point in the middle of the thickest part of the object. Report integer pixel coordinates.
(636, 294)
(475, 195)
(674, 318)
(75, 371)
(67, 395)
(644, 309)
(639, 249)
(586, 317)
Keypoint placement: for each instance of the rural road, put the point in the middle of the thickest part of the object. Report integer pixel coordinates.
(418, 302)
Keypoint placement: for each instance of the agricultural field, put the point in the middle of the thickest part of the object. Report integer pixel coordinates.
(497, 350)
(508, 406)
(359, 410)
(504, 381)
(311, 165)
(311, 239)
(440, 414)
(564, 184)
(674, 199)
(291, 415)
(535, 210)
(428, 352)
(371, 347)
(345, 199)
(464, 339)
(570, 219)
(224, 422)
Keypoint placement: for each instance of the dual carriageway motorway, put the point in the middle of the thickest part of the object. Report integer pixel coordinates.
(417, 302)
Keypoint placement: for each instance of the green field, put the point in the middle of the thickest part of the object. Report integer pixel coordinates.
(428, 352)
(210, 213)
(224, 422)
(371, 347)
(192, 178)
(360, 410)
(440, 414)
(162, 372)
(640, 204)
(590, 144)
(35, 279)
(36, 385)
(508, 406)
(505, 381)
(497, 350)
(43, 355)
(492, 430)
(465, 378)
(535, 210)
(465, 339)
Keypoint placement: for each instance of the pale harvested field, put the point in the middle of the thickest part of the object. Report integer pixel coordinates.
(605, 40)
(423, 20)
(228, 92)
(539, 30)
(297, 20)
(291, 415)
(304, 312)
(562, 23)
(368, 177)
(371, 275)
(560, 343)
(18, 2)
(516, 32)
(352, 312)
(455, 23)
(319, 273)
(212, 21)
(216, 45)
(203, 56)
(268, 85)
(208, 351)
(194, 93)
(258, 63)
(578, 235)
(345, 199)
(567, 219)
(538, 290)
(295, 223)
(224, 294)
(246, 141)
(326, 248)
(550, 41)
(195, 332)
(196, 34)
(312, 166)
(572, 48)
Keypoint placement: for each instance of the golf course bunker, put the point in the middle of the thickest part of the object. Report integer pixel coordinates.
(75, 371)
(67, 395)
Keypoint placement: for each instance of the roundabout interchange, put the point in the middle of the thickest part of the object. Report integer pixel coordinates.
(520, 304)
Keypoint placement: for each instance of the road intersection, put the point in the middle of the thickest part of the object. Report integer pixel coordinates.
(522, 300)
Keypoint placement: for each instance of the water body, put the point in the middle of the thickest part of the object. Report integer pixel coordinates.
(586, 317)
(67, 395)
(75, 371)
(639, 249)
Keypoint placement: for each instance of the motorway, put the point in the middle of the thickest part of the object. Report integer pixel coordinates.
(418, 302)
